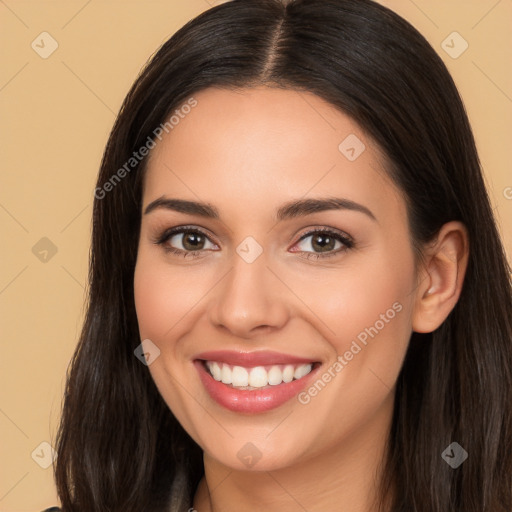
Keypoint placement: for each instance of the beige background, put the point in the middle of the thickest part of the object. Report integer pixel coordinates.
(57, 114)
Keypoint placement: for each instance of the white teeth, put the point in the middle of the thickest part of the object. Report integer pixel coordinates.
(226, 374)
(240, 376)
(302, 370)
(275, 376)
(216, 371)
(258, 376)
(288, 373)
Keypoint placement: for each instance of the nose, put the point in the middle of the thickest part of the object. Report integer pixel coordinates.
(249, 300)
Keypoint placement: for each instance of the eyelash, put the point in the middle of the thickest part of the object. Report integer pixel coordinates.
(166, 235)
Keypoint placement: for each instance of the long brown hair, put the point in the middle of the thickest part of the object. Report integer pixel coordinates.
(120, 447)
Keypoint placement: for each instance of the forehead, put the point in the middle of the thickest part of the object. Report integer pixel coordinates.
(264, 145)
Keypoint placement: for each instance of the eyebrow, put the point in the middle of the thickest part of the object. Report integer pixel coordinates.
(290, 210)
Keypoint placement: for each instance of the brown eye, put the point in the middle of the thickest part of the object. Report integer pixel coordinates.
(185, 241)
(324, 243)
(192, 241)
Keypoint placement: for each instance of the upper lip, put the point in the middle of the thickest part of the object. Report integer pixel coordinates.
(250, 359)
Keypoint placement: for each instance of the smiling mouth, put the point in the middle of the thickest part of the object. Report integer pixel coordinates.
(257, 377)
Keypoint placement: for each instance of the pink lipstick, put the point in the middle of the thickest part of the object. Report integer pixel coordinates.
(253, 382)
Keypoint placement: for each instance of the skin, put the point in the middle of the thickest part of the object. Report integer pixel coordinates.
(247, 153)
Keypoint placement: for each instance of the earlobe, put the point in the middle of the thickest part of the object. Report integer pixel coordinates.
(441, 278)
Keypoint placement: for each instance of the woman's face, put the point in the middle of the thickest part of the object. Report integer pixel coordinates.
(267, 295)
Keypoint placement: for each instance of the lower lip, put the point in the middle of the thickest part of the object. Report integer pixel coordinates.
(243, 400)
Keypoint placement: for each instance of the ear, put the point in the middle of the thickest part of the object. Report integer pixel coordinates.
(441, 277)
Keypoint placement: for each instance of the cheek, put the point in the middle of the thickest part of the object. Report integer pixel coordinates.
(152, 299)
(355, 299)
(365, 312)
(162, 298)
(163, 295)
(366, 319)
